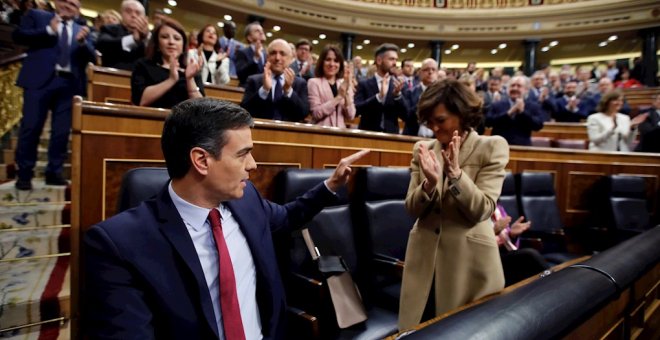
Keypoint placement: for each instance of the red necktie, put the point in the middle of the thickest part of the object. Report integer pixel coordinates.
(231, 312)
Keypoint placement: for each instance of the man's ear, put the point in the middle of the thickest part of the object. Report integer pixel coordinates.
(199, 160)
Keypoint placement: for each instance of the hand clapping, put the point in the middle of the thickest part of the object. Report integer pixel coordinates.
(450, 155)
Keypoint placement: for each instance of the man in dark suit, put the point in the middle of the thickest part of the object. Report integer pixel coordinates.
(197, 261)
(649, 129)
(379, 100)
(302, 65)
(277, 93)
(52, 73)
(568, 107)
(428, 75)
(252, 58)
(540, 94)
(123, 44)
(408, 71)
(515, 118)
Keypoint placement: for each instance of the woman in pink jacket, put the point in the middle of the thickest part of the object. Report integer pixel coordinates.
(331, 91)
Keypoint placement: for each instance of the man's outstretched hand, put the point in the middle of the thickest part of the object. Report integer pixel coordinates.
(340, 177)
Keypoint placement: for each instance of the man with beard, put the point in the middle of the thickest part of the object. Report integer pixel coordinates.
(569, 108)
(379, 100)
(515, 118)
(277, 93)
(123, 44)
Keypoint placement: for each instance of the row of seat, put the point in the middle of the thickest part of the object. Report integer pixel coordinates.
(548, 142)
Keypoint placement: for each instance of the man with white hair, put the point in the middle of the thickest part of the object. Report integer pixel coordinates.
(604, 86)
(428, 74)
(122, 44)
(515, 118)
(277, 93)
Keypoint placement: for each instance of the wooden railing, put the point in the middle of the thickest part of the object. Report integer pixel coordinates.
(111, 85)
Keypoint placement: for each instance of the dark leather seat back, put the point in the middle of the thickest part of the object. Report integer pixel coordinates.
(628, 202)
(509, 196)
(291, 183)
(140, 184)
(539, 202)
(389, 225)
(382, 183)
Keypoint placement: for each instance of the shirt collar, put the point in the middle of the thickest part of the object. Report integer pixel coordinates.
(193, 215)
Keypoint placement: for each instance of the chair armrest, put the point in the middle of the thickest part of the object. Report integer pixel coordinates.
(306, 293)
(388, 265)
(302, 325)
(531, 242)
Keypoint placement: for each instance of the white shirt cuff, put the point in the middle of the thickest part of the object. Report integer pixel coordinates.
(128, 43)
(50, 30)
(262, 93)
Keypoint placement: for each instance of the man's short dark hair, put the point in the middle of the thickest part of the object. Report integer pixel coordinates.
(303, 42)
(199, 122)
(494, 78)
(380, 50)
(404, 61)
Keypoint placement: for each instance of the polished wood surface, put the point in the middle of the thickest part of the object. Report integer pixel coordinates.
(111, 85)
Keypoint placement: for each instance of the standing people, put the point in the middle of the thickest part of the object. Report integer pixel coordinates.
(303, 65)
(610, 130)
(331, 91)
(197, 261)
(52, 73)
(215, 64)
(428, 75)
(379, 100)
(122, 44)
(277, 93)
(251, 59)
(165, 78)
(230, 45)
(452, 257)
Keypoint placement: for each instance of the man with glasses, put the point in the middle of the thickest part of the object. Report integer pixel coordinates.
(53, 72)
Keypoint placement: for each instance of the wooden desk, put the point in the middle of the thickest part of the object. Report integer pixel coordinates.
(111, 85)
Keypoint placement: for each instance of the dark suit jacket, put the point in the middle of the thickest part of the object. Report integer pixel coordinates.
(109, 44)
(43, 51)
(649, 132)
(412, 124)
(593, 100)
(143, 278)
(548, 106)
(293, 109)
(516, 130)
(245, 65)
(564, 115)
(296, 70)
(371, 112)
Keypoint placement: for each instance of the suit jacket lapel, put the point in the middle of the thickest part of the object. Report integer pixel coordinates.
(467, 147)
(175, 231)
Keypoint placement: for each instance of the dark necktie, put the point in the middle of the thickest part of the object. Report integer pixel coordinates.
(231, 312)
(63, 59)
(277, 95)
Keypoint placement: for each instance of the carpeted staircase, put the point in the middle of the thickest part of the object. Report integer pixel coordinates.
(34, 253)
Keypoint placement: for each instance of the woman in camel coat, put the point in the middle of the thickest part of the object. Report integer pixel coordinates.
(452, 256)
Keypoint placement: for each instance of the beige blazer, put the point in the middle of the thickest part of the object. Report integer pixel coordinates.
(325, 110)
(604, 137)
(453, 240)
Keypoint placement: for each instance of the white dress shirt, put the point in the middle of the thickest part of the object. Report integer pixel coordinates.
(195, 219)
(69, 28)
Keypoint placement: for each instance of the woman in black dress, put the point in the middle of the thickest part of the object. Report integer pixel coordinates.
(164, 77)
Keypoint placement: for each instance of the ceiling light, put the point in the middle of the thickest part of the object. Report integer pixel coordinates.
(502, 46)
(366, 41)
(602, 44)
(359, 47)
(276, 28)
(167, 10)
(221, 24)
(612, 38)
(315, 42)
(171, 3)
(403, 50)
(493, 51)
(553, 43)
(322, 36)
(454, 46)
(411, 45)
(269, 34)
(447, 51)
(545, 49)
(228, 17)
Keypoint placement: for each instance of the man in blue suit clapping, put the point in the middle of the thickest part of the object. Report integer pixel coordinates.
(53, 72)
